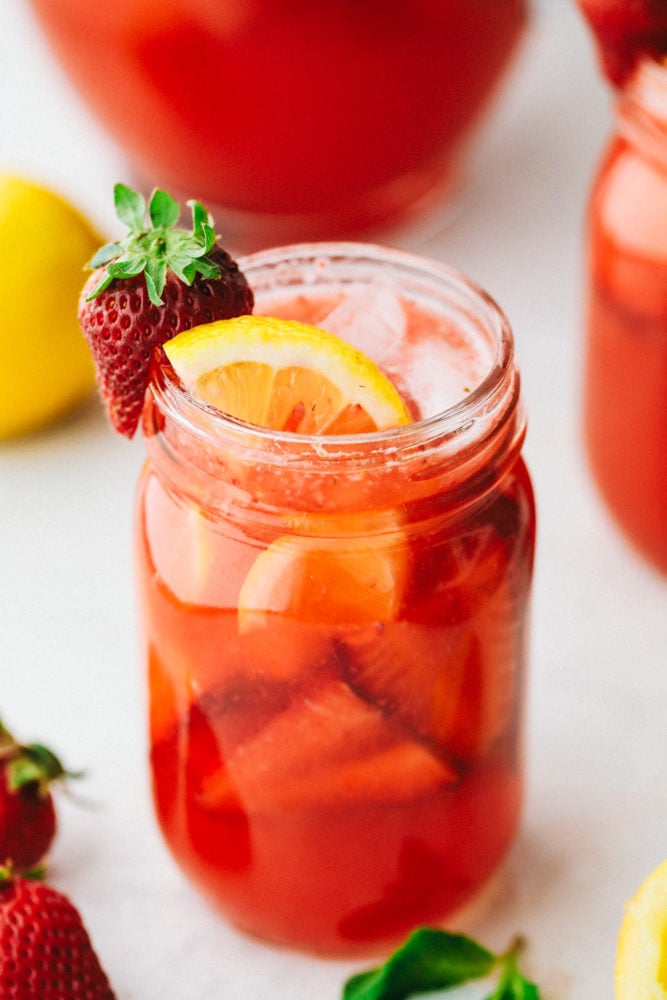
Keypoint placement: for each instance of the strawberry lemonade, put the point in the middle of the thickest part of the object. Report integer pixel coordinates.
(334, 565)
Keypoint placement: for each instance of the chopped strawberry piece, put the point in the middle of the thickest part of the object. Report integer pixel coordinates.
(329, 748)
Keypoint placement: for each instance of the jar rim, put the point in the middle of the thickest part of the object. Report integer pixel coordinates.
(485, 397)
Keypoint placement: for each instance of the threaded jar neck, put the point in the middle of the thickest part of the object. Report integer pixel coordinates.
(459, 452)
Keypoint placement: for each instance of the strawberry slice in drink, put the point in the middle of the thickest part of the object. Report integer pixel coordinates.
(450, 672)
(329, 748)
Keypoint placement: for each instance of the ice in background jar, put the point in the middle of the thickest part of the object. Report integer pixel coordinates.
(302, 120)
(335, 627)
(625, 388)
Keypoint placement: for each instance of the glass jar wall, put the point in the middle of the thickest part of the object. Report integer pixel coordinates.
(625, 390)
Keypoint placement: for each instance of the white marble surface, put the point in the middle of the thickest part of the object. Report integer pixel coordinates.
(596, 812)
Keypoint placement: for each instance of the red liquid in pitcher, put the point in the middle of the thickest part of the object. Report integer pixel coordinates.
(344, 110)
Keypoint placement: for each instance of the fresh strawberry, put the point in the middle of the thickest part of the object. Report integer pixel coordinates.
(45, 951)
(145, 289)
(626, 30)
(27, 813)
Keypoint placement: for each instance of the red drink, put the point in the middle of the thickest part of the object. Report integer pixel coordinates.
(335, 627)
(626, 374)
(324, 117)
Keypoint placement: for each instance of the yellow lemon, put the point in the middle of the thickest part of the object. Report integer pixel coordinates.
(285, 375)
(45, 368)
(641, 955)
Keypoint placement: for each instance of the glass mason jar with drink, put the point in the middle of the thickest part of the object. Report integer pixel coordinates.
(299, 120)
(335, 624)
(625, 390)
(334, 542)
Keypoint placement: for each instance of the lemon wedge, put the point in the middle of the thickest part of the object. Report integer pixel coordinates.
(641, 955)
(342, 577)
(285, 375)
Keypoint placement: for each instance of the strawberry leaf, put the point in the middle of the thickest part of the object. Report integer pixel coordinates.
(35, 764)
(201, 225)
(158, 246)
(163, 209)
(206, 268)
(127, 267)
(105, 254)
(156, 276)
(101, 286)
(130, 207)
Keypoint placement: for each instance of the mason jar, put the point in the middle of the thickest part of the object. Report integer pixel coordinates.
(625, 385)
(335, 625)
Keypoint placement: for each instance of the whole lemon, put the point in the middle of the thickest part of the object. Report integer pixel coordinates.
(45, 367)
(641, 952)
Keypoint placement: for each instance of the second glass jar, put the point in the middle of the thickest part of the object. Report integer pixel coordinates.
(625, 389)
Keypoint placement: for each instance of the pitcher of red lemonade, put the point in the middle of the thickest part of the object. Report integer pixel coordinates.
(335, 626)
(293, 120)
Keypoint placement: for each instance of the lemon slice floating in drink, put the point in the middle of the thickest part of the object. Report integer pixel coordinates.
(344, 576)
(641, 956)
(286, 375)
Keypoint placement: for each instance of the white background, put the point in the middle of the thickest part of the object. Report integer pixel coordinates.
(596, 813)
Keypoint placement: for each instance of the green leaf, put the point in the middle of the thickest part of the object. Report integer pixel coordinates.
(105, 254)
(200, 220)
(127, 267)
(206, 268)
(23, 771)
(164, 210)
(101, 285)
(183, 267)
(130, 207)
(36, 764)
(428, 960)
(206, 240)
(156, 276)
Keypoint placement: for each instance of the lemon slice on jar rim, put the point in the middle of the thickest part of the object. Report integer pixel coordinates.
(286, 376)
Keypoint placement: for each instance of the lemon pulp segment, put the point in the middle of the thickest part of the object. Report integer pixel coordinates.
(285, 375)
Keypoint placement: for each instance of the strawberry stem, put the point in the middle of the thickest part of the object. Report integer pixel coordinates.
(154, 247)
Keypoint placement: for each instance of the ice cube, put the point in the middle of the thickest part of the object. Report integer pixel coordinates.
(371, 319)
(436, 373)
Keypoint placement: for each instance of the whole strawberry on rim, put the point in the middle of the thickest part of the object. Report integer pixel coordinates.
(28, 772)
(159, 280)
(45, 950)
